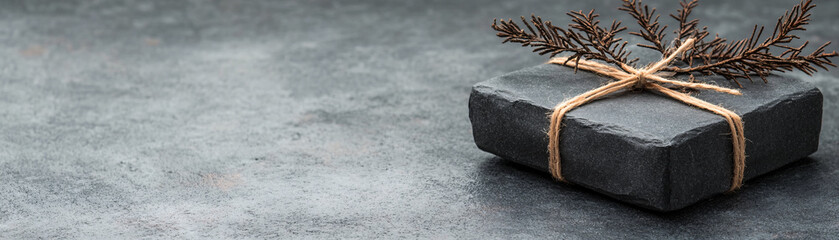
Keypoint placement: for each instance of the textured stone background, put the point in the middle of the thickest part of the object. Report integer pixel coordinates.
(125, 119)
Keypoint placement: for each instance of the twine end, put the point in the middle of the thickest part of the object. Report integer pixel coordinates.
(732, 190)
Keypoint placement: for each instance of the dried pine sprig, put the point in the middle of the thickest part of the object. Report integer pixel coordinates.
(688, 29)
(750, 56)
(594, 42)
(585, 39)
(650, 29)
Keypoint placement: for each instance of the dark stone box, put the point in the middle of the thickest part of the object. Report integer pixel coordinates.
(640, 147)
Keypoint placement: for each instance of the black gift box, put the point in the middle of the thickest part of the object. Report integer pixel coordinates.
(639, 147)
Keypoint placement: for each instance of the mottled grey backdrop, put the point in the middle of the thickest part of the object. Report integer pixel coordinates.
(323, 119)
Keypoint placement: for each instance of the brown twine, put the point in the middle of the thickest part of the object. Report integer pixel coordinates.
(645, 78)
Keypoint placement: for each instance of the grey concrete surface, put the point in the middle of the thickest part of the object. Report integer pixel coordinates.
(323, 119)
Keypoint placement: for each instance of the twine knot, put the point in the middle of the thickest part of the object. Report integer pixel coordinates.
(641, 79)
(646, 78)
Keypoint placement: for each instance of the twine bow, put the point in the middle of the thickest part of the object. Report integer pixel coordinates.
(645, 78)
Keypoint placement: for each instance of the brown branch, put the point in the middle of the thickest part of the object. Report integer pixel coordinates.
(750, 56)
(650, 28)
(584, 38)
(688, 29)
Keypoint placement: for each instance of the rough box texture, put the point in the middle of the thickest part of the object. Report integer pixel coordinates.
(639, 147)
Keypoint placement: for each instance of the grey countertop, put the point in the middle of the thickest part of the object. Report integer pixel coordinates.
(325, 119)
